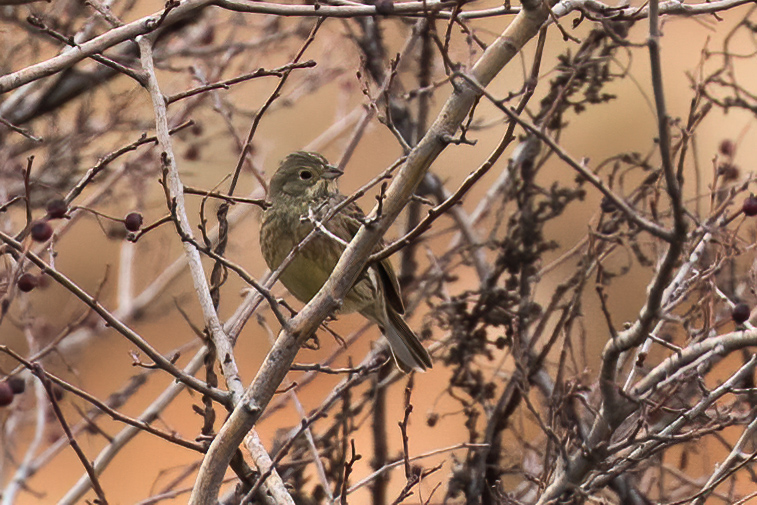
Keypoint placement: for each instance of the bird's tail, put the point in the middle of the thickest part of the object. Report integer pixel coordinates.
(407, 350)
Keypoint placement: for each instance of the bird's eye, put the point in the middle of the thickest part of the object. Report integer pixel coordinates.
(306, 175)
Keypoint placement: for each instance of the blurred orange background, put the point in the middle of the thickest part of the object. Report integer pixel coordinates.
(87, 255)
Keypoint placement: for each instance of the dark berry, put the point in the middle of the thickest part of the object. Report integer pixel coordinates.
(727, 147)
(133, 221)
(17, 384)
(749, 207)
(27, 282)
(432, 419)
(740, 313)
(57, 208)
(607, 205)
(6, 394)
(41, 231)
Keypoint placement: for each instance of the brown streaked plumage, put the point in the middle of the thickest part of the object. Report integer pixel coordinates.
(305, 183)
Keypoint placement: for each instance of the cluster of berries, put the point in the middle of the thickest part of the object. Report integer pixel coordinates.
(42, 231)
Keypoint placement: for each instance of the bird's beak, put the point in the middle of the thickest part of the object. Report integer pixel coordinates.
(332, 172)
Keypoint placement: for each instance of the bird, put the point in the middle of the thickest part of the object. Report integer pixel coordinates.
(302, 191)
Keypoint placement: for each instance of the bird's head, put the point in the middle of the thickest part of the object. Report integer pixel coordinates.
(304, 174)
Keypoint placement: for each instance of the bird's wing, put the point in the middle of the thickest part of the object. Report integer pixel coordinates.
(352, 218)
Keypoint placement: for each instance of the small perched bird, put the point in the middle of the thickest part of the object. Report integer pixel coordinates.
(302, 191)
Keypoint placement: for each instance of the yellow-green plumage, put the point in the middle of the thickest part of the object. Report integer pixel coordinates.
(303, 185)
